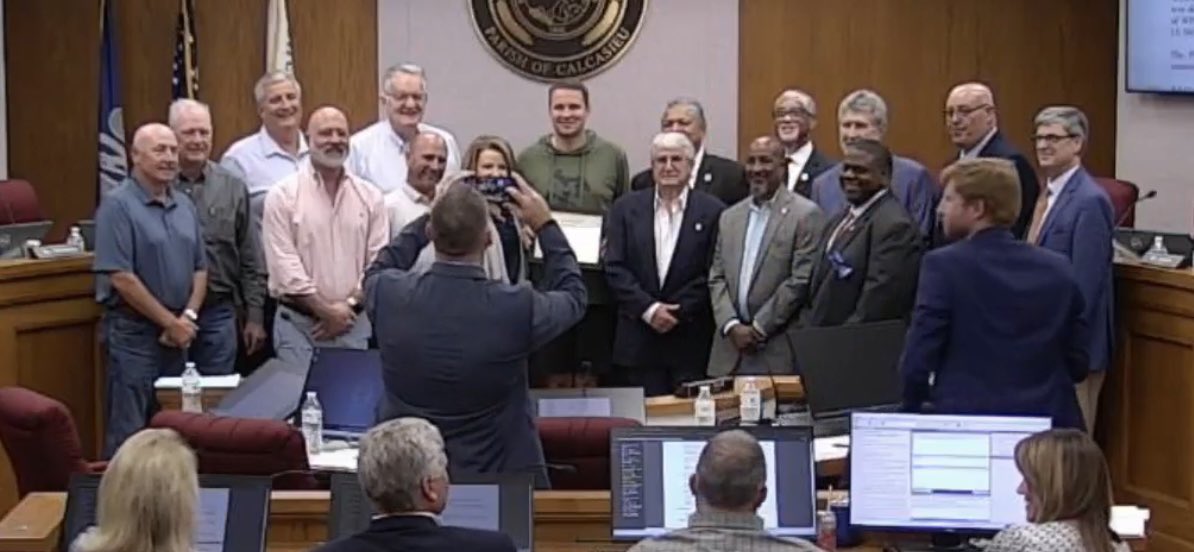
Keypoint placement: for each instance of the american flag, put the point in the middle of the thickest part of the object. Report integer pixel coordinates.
(186, 54)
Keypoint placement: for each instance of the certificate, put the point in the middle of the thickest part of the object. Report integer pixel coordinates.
(583, 233)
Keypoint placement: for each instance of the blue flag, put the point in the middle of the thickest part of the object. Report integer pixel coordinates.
(186, 54)
(113, 162)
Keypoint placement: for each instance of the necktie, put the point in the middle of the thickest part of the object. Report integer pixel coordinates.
(1038, 216)
(846, 222)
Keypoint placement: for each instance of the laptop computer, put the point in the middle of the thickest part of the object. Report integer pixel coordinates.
(598, 402)
(273, 392)
(841, 375)
(349, 386)
(14, 236)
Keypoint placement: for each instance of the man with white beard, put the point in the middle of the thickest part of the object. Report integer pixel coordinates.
(322, 227)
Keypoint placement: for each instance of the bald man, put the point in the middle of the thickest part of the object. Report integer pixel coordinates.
(765, 249)
(322, 227)
(426, 161)
(152, 278)
(973, 125)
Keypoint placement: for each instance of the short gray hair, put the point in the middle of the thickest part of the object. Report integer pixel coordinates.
(402, 69)
(806, 101)
(673, 140)
(271, 78)
(865, 102)
(396, 457)
(690, 103)
(182, 105)
(1072, 119)
(731, 470)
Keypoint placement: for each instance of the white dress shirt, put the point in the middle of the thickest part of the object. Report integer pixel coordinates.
(796, 162)
(261, 162)
(669, 219)
(973, 152)
(379, 155)
(696, 167)
(405, 205)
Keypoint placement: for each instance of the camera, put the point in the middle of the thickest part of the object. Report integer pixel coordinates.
(495, 190)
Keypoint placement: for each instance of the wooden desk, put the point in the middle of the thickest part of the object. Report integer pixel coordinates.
(1147, 415)
(49, 324)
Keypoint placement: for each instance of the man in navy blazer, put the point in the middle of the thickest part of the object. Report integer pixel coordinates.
(659, 246)
(1073, 216)
(998, 326)
(454, 344)
(403, 470)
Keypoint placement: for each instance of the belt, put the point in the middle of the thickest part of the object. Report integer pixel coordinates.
(303, 310)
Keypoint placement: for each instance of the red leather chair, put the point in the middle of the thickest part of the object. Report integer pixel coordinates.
(1123, 196)
(41, 440)
(577, 450)
(239, 446)
(18, 203)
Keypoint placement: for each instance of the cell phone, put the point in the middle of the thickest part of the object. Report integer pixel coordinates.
(495, 190)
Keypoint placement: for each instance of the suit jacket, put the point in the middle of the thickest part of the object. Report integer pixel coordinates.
(870, 274)
(415, 533)
(454, 347)
(910, 182)
(998, 146)
(724, 178)
(817, 164)
(634, 281)
(779, 283)
(999, 325)
(1080, 226)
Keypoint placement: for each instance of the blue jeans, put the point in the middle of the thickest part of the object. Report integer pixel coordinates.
(214, 349)
(135, 361)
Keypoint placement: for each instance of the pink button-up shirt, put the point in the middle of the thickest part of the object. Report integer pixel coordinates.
(318, 244)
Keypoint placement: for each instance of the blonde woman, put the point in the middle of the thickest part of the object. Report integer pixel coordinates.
(147, 497)
(1067, 490)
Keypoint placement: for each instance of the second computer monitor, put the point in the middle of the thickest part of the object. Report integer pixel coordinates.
(650, 468)
(348, 383)
(937, 473)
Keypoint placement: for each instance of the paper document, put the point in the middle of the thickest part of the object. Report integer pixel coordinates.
(831, 448)
(344, 459)
(213, 519)
(209, 382)
(583, 233)
(583, 407)
(1129, 521)
(473, 506)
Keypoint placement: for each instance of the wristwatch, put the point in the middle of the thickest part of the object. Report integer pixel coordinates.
(191, 315)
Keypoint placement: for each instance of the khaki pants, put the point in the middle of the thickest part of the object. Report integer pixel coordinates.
(1088, 397)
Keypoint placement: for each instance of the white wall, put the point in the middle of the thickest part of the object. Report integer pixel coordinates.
(1154, 147)
(685, 48)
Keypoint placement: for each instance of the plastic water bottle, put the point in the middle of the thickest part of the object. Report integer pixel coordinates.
(827, 530)
(704, 408)
(76, 238)
(192, 389)
(1158, 248)
(312, 417)
(750, 403)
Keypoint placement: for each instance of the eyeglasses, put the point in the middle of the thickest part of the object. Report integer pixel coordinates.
(964, 111)
(1051, 139)
(796, 113)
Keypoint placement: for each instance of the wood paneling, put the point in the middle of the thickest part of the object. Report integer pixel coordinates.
(337, 62)
(1032, 53)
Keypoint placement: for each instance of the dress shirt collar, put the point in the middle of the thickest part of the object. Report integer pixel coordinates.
(406, 517)
(680, 202)
(415, 196)
(725, 520)
(696, 166)
(1056, 185)
(270, 148)
(973, 152)
(802, 154)
(857, 212)
(397, 138)
(147, 198)
(203, 174)
(766, 205)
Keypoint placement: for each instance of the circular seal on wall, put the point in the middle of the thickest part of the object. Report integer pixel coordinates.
(556, 40)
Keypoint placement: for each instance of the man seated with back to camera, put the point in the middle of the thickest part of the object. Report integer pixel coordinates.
(454, 342)
(403, 470)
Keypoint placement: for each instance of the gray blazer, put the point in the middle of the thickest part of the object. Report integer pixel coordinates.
(779, 283)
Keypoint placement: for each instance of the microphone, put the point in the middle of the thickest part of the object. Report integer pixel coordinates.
(1132, 208)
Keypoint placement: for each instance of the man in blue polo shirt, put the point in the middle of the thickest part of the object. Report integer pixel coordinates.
(150, 262)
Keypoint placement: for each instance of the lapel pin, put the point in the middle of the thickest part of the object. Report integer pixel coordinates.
(698, 227)
(783, 211)
(708, 177)
(804, 177)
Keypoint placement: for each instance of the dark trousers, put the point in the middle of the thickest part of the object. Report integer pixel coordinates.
(135, 361)
(582, 350)
(215, 345)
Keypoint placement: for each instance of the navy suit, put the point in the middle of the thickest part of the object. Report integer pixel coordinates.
(998, 323)
(998, 146)
(659, 362)
(454, 347)
(1080, 226)
(416, 533)
(911, 183)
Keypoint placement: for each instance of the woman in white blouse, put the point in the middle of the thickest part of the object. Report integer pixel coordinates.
(1067, 490)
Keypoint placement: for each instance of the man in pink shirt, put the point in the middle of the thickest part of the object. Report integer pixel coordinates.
(321, 228)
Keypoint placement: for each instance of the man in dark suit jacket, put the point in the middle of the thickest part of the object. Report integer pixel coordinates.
(972, 121)
(658, 251)
(998, 325)
(404, 472)
(1073, 216)
(868, 254)
(795, 116)
(724, 178)
(454, 344)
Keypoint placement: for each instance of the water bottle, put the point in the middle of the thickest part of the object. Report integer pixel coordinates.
(1158, 248)
(76, 238)
(704, 409)
(750, 403)
(312, 417)
(192, 389)
(827, 530)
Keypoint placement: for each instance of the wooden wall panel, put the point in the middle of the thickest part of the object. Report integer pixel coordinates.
(1032, 53)
(337, 60)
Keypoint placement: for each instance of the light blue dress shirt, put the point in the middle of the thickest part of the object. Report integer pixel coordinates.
(756, 226)
(261, 162)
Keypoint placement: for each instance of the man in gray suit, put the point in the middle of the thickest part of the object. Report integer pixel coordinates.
(761, 265)
(454, 343)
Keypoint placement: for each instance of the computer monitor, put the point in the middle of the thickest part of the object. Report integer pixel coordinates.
(497, 503)
(14, 236)
(937, 473)
(650, 467)
(273, 392)
(232, 512)
(840, 377)
(349, 385)
(602, 402)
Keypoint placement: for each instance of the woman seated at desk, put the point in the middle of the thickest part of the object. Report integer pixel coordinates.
(1067, 489)
(147, 497)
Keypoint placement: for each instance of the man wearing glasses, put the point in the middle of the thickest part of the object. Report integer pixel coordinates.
(795, 116)
(973, 125)
(1073, 216)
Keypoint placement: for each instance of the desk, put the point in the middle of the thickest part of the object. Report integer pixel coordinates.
(1147, 416)
(49, 324)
